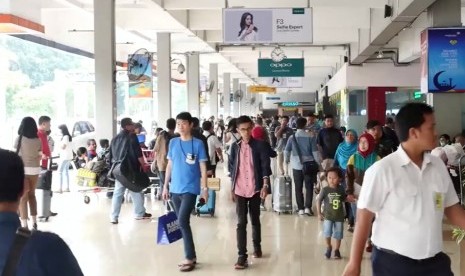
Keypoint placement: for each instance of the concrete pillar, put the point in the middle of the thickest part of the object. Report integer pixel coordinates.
(226, 94)
(448, 106)
(105, 62)
(193, 80)
(214, 92)
(236, 105)
(164, 77)
(243, 103)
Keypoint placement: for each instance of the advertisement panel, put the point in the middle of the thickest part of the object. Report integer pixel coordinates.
(283, 82)
(250, 26)
(143, 87)
(290, 67)
(445, 49)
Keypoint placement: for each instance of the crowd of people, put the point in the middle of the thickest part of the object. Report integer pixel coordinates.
(356, 178)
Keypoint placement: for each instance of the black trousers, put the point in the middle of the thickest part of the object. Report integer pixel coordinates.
(299, 180)
(389, 264)
(244, 206)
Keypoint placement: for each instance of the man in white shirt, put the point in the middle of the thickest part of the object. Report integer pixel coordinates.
(408, 192)
(214, 145)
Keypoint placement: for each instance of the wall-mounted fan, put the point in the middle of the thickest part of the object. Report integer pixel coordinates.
(238, 95)
(260, 106)
(211, 86)
(253, 100)
(138, 63)
(222, 101)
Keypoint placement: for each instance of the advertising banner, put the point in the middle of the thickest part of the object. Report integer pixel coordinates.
(283, 82)
(443, 60)
(290, 67)
(250, 26)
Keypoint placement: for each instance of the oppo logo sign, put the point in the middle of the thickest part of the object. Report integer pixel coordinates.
(280, 65)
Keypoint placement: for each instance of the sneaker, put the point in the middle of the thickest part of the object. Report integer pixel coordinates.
(337, 254)
(144, 216)
(241, 263)
(262, 207)
(309, 212)
(34, 226)
(53, 214)
(257, 253)
(301, 212)
(328, 252)
(114, 221)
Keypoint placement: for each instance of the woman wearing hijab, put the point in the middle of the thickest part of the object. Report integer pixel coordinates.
(344, 151)
(357, 165)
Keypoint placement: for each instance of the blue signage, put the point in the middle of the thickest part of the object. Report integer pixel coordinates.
(290, 104)
(273, 98)
(445, 49)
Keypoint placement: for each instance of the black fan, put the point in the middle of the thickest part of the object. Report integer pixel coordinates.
(138, 63)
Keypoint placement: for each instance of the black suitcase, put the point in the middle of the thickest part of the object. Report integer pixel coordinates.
(45, 180)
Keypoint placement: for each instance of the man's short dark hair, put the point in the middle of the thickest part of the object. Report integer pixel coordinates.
(171, 124)
(411, 115)
(80, 151)
(285, 117)
(259, 120)
(372, 123)
(11, 176)
(195, 122)
(301, 123)
(312, 115)
(329, 116)
(243, 120)
(207, 125)
(126, 122)
(276, 117)
(335, 170)
(44, 119)
(104, 143)
(185, 116)
(389, 120)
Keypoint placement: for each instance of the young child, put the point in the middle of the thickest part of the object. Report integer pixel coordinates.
(81, 158)
(104, 149)
(333, 197)
(91, 149)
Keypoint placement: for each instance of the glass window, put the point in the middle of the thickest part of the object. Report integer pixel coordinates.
(357, 102)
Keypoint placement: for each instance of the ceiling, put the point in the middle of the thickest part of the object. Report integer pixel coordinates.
(196, 26)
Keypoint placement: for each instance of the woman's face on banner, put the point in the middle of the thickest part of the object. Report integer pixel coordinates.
(248, 20)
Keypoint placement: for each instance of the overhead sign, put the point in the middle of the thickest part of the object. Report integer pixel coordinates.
(290, 104)
(250, 26)
(261, 89)
(290, 67)
(283, 82)
(443, 60)
(273, 98)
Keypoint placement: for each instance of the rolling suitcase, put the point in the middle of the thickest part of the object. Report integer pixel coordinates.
(209, 207)
(282, 195)
(44, 200)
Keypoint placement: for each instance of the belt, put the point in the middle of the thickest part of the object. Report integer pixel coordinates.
(388, 251)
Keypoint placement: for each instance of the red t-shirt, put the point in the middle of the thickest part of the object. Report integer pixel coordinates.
(45, 148)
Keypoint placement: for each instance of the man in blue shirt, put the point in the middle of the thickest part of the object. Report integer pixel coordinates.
(44, 253)
(186, 174)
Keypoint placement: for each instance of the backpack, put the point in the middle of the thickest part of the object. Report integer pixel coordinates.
(217, 159)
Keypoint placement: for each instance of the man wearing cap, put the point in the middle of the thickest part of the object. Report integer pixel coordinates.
(126, 142)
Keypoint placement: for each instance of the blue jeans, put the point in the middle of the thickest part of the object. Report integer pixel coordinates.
(184, 204)
(334, 229)
(64, 170)
(353, 206)
(117, 201)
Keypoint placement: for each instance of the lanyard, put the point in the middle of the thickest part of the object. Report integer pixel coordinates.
(192, 147)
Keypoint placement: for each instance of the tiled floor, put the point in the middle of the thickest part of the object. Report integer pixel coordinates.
(292, 245)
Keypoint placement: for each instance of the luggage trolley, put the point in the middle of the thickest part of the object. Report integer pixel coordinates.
(462, 179)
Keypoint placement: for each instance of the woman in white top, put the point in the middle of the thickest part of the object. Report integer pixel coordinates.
(66, 155)
(248, 31)
(29, 148)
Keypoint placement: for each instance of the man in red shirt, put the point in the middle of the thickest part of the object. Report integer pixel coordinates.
(43, 128)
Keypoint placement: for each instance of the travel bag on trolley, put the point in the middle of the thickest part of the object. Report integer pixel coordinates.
(282, 194)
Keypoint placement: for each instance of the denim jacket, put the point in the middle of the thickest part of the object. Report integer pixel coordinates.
(261, 162)
(307, 146)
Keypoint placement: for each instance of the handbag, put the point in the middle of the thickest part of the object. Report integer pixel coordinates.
(214, 183)
(308, 167)
(169, 230)
(123, 171)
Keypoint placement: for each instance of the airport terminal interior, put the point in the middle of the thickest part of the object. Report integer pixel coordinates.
(89, 64)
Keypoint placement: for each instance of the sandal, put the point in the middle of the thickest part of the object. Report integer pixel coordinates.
(194, 261)
(187, 267)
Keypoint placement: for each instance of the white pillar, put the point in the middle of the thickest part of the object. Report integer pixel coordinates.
(243, 104)
(105, 62)
(214, 92)
(226, 94)
(164, 77)
(236, 105)
(193, 80)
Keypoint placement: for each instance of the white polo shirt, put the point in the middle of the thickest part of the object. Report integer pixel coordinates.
(408, 202)
(213, 144)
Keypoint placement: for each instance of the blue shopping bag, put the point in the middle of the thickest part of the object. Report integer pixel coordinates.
(169, 230)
